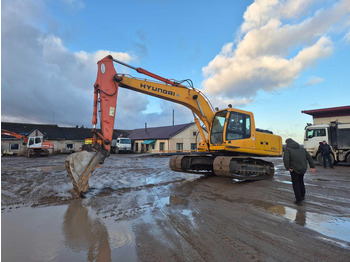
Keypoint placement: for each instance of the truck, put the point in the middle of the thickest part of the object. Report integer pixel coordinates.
(121, 145)
(336, 134)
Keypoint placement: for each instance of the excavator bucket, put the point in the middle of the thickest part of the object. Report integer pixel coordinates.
(80, 167)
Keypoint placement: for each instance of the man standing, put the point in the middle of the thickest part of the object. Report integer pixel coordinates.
(325, 150)
(295, 160)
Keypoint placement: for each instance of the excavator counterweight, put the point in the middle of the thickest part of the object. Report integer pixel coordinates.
(229, 149)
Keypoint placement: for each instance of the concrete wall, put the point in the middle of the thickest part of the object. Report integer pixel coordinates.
(67, 146)
(5, 146)
(60, 146)
(327, 120)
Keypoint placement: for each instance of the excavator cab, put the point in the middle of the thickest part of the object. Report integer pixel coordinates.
(230, 125)
(35, 142)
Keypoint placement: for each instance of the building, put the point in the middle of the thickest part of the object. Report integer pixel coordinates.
(166, 139)
(326, 115)
(64, 139)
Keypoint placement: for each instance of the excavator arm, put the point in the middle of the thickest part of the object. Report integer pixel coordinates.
(81, 165)
(106, 91)
(10, 133)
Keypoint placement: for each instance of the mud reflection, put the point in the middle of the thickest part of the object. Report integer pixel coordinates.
(82, 233)
(332, 226)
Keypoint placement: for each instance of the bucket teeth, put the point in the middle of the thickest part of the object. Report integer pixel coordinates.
(80, 167)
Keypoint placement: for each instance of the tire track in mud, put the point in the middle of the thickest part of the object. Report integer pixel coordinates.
(260, 237)
(190, 236)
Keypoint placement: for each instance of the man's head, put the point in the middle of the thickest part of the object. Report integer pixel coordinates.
(324, 142)
(291, 143)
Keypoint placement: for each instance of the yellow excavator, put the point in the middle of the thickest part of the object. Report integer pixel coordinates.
(230, 148)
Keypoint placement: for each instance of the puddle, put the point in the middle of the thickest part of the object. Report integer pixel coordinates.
(175, 200)
(332, 226)
(64, 233)
(171, 201)
(285, 182)
(179, 203)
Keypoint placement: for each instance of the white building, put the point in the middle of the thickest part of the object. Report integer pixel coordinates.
(166, 139)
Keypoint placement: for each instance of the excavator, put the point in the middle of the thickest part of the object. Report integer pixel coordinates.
(230, 148)
(35, 144)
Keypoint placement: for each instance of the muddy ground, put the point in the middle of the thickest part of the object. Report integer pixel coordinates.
(137, 209)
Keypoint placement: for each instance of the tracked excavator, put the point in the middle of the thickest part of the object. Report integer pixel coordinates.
(230, 148)
(36, 146)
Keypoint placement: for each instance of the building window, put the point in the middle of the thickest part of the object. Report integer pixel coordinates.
(193, 146)
(194, 133)
(69, 146)
(153, 146)
(161, 146)
(179, 146)
(14, 146)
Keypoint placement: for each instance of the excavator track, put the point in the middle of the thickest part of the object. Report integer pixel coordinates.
(238, 167)
(243, 168)
(197, 164)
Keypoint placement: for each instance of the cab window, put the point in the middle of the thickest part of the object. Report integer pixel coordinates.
(31, 141)
(217, 130)
(310, 133)
(238, 126)
(124, 141)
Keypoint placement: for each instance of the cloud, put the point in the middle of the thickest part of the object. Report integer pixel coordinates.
(313, 80)
(76, 4)
(43, 81)
(277, 41)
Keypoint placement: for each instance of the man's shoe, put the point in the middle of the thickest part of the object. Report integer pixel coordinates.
(332, 167)
(297, 202)
(303, 198)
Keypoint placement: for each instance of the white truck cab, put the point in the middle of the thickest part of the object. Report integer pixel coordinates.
(121, 145)
(314, 134)
(337, 135)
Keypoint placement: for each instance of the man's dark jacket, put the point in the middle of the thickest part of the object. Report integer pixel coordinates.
(296, 158)
(324, 149)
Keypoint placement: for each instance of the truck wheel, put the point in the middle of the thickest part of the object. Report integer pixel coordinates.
(320, 159)
(348, 159)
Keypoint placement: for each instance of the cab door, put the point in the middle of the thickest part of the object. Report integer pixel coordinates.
(218, 127)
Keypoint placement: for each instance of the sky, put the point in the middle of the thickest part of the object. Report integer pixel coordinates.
(274, 58)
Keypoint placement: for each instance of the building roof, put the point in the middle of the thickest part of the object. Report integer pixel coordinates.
(54, 132)
(162, 132)
(49, 131)
(329, 112)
